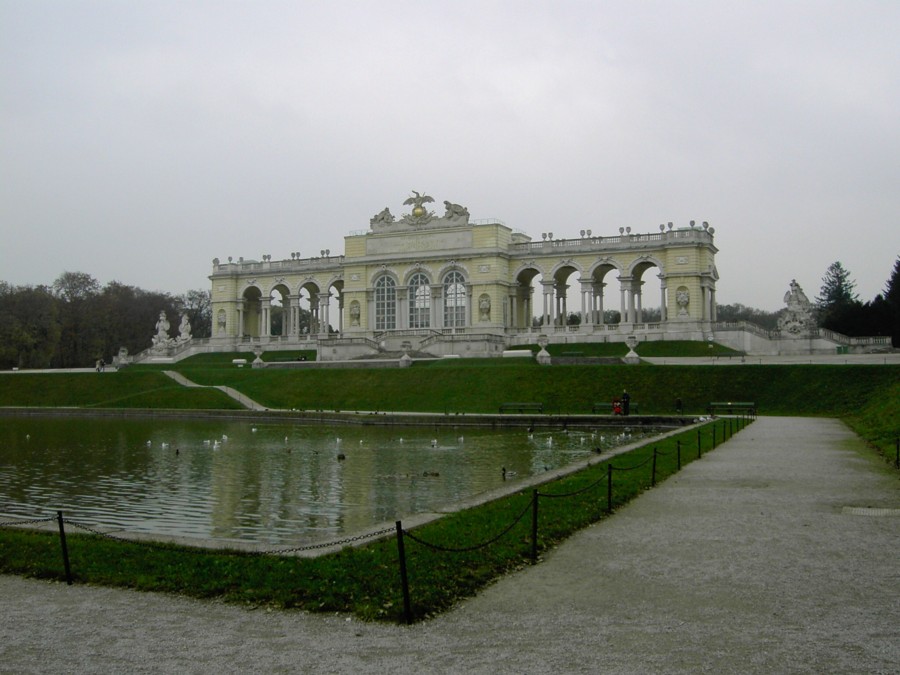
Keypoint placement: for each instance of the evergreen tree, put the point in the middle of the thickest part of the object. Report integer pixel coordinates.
(837, 288)
(892, 304)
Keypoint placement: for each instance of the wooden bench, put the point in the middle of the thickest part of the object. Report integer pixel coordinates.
(608, 408)
(731, 406)
(521, 407)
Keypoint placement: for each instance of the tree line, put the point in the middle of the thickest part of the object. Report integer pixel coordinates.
(74, 322)
(840, 309)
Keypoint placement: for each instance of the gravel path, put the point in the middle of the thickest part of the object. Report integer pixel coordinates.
(778, 552)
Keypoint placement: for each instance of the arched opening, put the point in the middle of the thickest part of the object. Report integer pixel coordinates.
(250, 312)
(603, 308)
(561, 313)
(279, 311)
(641, 308)
(522, 300)
(308, 310)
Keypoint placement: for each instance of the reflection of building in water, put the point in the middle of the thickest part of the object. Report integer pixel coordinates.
(451, 285)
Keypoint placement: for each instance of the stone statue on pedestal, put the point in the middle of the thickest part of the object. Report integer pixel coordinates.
(797, 319)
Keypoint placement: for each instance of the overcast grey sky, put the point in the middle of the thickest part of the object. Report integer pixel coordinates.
(141, 139)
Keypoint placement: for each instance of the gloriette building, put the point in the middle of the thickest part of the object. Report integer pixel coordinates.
(447, 284)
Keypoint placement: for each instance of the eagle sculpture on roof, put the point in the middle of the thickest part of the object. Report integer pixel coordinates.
(418, 200)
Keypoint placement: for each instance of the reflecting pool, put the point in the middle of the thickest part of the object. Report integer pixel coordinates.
(278, 484)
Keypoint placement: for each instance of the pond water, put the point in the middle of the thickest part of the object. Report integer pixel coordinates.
(274, 484)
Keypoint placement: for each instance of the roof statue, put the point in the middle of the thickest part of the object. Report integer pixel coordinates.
(420, 216)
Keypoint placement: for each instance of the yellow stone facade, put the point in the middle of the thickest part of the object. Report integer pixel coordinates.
(452, 286)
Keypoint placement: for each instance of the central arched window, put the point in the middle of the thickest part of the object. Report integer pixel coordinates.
(419, 301)
(385, 304)
(454, 300)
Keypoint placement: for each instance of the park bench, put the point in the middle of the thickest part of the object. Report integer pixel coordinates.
(731, 406)
(608, 407)
(521, 407)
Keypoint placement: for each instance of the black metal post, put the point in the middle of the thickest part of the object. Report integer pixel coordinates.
(404, 581)
(699, 445)
(534, 525)
(678, 452)
(653, 470)
(609, 470)
(714, 435)
(65, 549)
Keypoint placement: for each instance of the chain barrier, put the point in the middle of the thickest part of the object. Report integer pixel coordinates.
(326, 544)
(636, 466)
(281, 551)
(13, 523)
(574, 493)
(106, 535)
(447, 549)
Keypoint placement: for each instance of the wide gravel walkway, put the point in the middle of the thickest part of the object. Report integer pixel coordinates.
(777, 553)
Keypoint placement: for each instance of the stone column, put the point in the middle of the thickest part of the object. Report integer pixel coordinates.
(402, 308)
(663, 310)
(547, 288)
(323, 313)
(265, 316)
(639, 307)
(563, 305)
(587, 302)
(598, 297)
(434, 315)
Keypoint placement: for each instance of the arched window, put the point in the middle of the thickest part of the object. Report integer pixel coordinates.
(419, 301)
(454, 300)
(385, 304)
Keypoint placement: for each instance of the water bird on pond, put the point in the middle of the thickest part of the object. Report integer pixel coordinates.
(224, 437)
(253, 430)
(507, 474)
(433, 442)
(149, 443)
(341, 456)
(430, 473)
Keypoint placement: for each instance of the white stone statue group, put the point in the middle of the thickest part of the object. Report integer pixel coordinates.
(162, 340)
